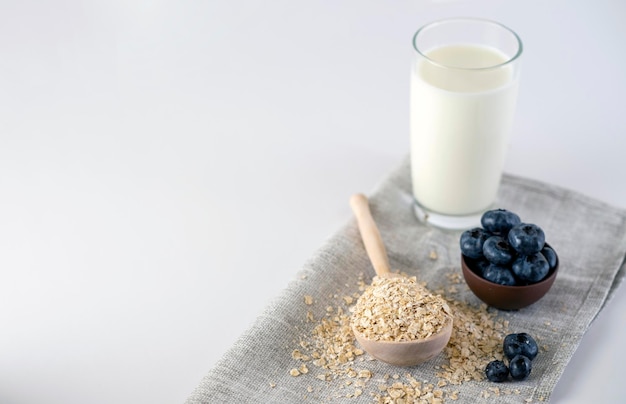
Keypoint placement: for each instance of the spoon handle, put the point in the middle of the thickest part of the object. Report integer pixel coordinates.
(369, 233)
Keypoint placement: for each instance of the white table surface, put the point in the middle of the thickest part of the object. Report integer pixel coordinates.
(166, 167)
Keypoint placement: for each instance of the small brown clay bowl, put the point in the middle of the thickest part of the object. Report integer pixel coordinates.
(506, 297)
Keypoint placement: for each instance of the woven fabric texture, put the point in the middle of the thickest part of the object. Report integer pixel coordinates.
(588, 235)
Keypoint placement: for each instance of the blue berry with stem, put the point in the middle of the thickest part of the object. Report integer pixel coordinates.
(499, 274)
(531, 268)
(520, 344)
(499, 221)
(479, 265)
(472, 242)
(527, 238)
(497, 371)
(550, 255)
(520, 367)
(497, 250)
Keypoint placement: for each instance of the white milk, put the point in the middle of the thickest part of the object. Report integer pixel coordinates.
(460, 125)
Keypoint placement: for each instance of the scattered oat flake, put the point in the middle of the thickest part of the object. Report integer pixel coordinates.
(308, 300)
(296, 354)
(272, 384)
(331, 352)
(476, 340)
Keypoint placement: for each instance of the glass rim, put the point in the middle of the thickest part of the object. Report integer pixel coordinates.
(510, 60)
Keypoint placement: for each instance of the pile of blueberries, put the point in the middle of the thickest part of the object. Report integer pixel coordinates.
(520, 349)
(507, 251)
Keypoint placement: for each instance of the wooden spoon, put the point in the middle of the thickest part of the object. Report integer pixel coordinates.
(403, 353)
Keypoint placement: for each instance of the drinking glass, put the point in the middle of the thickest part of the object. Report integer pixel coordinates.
(464, 84)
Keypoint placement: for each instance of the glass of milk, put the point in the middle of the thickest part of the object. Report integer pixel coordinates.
(464, 80)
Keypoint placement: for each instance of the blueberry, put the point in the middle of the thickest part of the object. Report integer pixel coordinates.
(530, 268)
(472, 242)
(496, 371)
(520, 367)
(499, 221)
(499, 274)
(479, 266)
(498, 251)
(520, 344)
(527, 238)
(550, 255)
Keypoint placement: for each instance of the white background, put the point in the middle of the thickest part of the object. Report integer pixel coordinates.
(166, 167)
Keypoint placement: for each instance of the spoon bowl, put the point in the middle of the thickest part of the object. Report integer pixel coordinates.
(398, 353)
(406, 353)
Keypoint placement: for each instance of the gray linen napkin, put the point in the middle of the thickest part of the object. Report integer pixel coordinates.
(588, 235)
